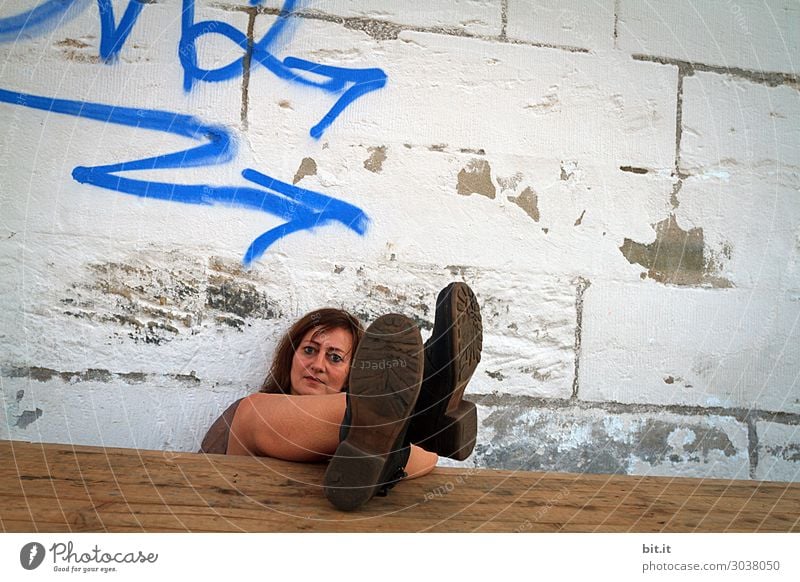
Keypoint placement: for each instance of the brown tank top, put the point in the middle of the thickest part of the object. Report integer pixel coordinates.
(216, 440)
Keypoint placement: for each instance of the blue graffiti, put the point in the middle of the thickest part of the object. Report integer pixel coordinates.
(44, 17)
(112, 37)
(348, 83)
(351, 83)
(302, 209)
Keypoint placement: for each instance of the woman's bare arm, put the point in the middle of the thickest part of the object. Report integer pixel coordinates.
(293, 428)
(300, 428)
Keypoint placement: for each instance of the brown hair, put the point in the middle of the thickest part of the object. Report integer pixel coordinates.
(279, 378)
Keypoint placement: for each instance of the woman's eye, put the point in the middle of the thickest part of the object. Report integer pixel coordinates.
(336, 358)
(308, 350)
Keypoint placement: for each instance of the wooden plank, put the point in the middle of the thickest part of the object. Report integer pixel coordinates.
(64, 488)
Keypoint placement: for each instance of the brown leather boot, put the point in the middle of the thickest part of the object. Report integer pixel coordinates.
(443, 422)
(385, 378)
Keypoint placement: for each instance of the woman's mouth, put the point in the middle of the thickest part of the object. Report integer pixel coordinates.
(314, 379)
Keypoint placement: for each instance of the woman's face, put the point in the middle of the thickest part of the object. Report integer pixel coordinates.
(321, 362)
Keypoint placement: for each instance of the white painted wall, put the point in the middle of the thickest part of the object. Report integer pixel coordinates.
(584, 127)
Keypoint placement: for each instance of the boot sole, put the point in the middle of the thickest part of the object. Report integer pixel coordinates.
(385, 379)
(458, 354)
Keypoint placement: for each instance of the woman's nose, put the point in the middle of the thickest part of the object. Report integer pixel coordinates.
(319, 362)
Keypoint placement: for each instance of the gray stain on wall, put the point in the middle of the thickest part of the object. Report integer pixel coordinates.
(27, 417)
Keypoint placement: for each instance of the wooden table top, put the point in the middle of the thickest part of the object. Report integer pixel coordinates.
(65, 488)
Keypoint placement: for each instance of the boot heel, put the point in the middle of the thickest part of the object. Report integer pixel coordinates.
(457, 432)
(346, 476)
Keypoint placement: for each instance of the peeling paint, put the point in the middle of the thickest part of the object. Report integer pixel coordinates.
(580, 291)
(511, 182)
(377, 29)
(133, 377)
(528, 200)
(239, 298)
(580, 218)
(72, 42)
(567, 170)
(676, 257)
(634, 170)
(542, 439)
(159, 305)
(790, 452)
(374, 163)
(190, 378)
(308, 167)
(457, 270)
(495, 375)
(40, 374)
(476, 178)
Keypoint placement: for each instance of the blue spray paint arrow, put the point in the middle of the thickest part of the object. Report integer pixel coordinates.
(302, 209)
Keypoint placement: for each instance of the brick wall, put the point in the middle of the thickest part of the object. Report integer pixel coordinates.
(617, 180)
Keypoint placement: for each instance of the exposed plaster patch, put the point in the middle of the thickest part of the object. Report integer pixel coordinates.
(284, 104)
(580, 218)
(308, 167)
(374, 163)
(529, 202)
(20, 395)
(677, 257)
(476, 178)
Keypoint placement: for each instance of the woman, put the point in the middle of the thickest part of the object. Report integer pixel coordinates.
(389, 389)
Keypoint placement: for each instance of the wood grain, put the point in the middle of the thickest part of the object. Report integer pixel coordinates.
(64, 488)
